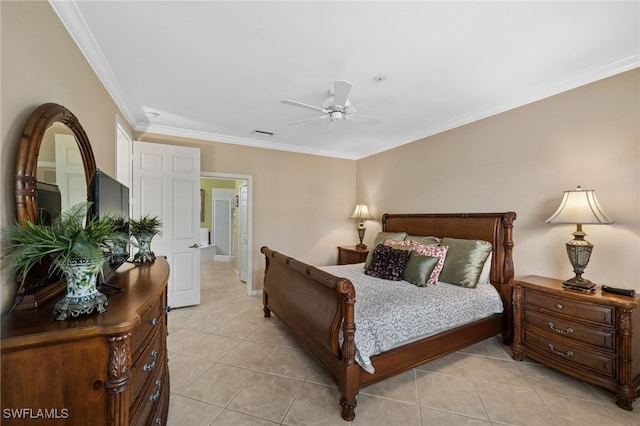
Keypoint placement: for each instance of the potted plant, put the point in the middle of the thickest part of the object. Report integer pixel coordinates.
(120, 246)
(75, 246)
(143, 230)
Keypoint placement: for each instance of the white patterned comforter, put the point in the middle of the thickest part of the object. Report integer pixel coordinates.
(391, 313)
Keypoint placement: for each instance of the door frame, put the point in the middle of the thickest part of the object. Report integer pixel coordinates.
(249, 179)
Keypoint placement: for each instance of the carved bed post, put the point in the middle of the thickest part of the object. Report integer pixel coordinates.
(508, 246)
(348, 380)
(508, 271)
(267, 311)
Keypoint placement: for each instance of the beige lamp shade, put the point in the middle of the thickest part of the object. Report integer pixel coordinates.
(580, 206)
(361, 212)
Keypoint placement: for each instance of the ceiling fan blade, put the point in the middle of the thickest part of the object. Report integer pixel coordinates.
(302, 105)
(341, 89)
(320, 117)
(365, 119)
(378, 101)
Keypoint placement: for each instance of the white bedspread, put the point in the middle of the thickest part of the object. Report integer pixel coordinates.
(391, 313)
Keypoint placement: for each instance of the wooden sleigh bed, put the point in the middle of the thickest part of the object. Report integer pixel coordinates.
(318, 307)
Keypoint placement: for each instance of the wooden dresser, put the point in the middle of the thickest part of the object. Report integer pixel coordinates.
(101, 369)
(591, 336)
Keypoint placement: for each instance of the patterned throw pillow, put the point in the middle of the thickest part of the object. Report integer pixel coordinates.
(434, 251)
(381, 237)
(388, 263)
(399, 245)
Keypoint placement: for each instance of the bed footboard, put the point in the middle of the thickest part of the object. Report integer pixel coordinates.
(314, 305)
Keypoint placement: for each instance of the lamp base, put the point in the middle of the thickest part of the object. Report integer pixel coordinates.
(579, 283)
(361, 231)
(579, 251)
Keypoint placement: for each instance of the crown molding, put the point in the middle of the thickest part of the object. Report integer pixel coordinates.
(77, 27)
(254, 143)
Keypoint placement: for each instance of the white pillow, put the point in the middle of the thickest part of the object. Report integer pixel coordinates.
(486, 271)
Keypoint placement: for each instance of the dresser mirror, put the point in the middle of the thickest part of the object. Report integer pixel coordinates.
(54, 155)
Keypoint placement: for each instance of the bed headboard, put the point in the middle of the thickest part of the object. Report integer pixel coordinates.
(493, 227)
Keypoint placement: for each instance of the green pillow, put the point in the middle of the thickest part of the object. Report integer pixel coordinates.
(380, 238)
(464, 261)
(425, 241)
(419, 268)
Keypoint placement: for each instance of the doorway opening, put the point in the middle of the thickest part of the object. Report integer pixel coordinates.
(226, 221)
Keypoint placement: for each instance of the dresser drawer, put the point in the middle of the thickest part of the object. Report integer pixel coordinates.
(593, 336)
(151, 318)
(151, 395)
(559, 351)
(571, 308)
(148, 361)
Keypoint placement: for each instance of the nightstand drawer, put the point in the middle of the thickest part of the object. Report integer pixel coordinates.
(575, 309)
(560, 351)
(350, 255)
(601, 338)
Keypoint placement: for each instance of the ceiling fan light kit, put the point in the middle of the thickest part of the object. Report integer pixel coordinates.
(337, 107)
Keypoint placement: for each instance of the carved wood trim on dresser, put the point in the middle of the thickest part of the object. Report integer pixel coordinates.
(104, 369)
(587, 335)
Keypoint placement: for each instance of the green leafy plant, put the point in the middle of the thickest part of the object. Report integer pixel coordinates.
(121, 224)
(145, 225)
(70, 236)
(120, 245)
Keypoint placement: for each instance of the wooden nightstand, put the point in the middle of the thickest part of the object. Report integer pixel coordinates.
(350, 254)
(586, 335)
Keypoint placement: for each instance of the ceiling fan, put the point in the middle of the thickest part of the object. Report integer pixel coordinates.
(337, 107)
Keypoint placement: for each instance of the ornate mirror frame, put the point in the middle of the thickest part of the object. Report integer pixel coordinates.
(35, 291)
(27, 159)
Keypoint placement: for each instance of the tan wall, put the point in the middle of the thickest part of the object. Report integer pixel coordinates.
(523, 160)
(301, 203)
(41, 63)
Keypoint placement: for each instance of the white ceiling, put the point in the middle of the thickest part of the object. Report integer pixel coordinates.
(218, 70)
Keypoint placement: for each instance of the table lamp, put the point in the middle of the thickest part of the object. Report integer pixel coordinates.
(361, 213)
(579, 207)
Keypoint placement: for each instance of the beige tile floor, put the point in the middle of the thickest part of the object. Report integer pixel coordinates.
(231, 366)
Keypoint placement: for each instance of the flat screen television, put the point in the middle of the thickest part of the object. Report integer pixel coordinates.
(49, 202)
(108, 197)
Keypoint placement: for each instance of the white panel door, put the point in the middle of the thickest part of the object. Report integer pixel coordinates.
(243, 255)
(70, 176)
(166, 183)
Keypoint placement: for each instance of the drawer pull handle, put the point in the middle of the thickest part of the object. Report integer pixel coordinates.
(167, 309)
(156, 395)
(152, 365)
(559, 305)
(155, 321)
(559, 330)
(557, 352)
(159, 421)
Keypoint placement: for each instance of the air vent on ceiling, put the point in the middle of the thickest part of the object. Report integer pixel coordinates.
(262, 132)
